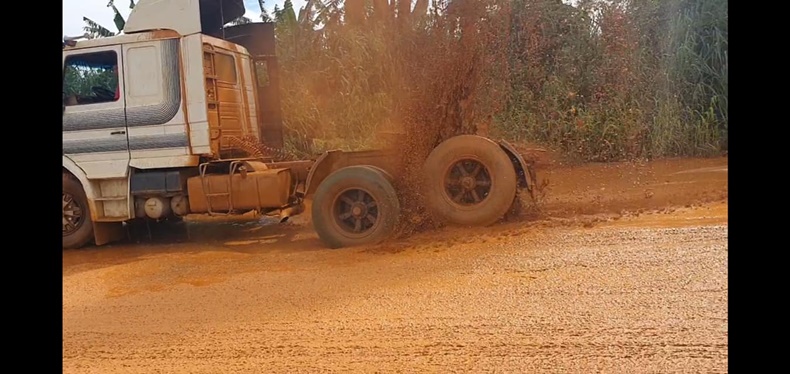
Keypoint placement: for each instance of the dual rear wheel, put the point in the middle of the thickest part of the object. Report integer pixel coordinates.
(468, 181)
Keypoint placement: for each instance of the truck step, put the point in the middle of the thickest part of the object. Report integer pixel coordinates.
(111, 219)
(113, 198)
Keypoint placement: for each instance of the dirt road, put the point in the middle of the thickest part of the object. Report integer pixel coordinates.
(624, 270)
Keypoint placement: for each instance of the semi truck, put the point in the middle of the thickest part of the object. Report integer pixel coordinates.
(158, 123)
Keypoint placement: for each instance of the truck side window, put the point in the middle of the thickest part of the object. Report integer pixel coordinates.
(226, 68)
(90, 78)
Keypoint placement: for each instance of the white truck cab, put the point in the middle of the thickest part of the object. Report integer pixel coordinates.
(164, 95)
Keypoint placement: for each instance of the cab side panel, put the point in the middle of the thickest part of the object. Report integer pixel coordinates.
(195, 88)
(158, 133)
(227, 97)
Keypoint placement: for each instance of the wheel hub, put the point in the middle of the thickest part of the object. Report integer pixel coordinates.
(359, 210)
(356, 212)
(468, 182)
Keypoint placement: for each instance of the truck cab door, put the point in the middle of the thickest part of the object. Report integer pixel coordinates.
(94, 118)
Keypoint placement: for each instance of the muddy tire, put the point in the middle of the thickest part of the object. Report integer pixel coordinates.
(77, 223)
(469, 181)
(356, 205)
(382, 171)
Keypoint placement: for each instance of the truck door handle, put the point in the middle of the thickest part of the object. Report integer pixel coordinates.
(118, 132)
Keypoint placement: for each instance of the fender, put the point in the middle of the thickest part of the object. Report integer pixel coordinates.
(524, 170)
(78, 173)
(103, 232)
(333, 160)
(323, 166)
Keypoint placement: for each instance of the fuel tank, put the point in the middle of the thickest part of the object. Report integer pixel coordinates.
(260, 189)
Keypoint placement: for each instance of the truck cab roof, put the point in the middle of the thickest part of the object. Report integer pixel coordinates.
(183, 16)
(163, 19)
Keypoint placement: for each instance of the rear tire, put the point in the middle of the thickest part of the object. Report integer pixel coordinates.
(77, 223)
(356, 205)
(469, 181)
(383, 172)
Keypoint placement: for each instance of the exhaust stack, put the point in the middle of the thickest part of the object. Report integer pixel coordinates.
(286, 213)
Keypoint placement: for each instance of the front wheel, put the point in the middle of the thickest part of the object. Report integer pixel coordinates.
(77, 224)
(355, 205)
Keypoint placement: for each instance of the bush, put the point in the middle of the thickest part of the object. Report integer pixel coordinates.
(600, 80)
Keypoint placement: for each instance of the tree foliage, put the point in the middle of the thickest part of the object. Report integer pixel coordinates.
(602, 79)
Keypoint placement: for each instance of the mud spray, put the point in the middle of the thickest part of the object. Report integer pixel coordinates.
(448, 84)
(443, 67)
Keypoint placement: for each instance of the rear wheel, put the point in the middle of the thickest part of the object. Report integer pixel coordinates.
(77, 224)
(383, 172)
(356, 205)
(469, 181)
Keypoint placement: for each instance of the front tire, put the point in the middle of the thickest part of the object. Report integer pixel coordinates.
(356, 205)
(77, 223)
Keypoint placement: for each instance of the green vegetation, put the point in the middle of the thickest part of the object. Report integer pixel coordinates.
(599, 80)
(95, 30)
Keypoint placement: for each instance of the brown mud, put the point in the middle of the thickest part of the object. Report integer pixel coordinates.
(639, 186)
(620, 268)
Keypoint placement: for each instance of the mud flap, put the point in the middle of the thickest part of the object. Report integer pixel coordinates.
(107, 232)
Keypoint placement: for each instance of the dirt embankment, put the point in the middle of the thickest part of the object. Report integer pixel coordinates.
(631, 186)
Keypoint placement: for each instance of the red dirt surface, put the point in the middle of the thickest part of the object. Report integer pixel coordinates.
(619, 268)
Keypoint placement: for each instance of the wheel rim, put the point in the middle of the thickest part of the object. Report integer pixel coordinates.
(356, 212)
(72, 214)
(467, 182)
